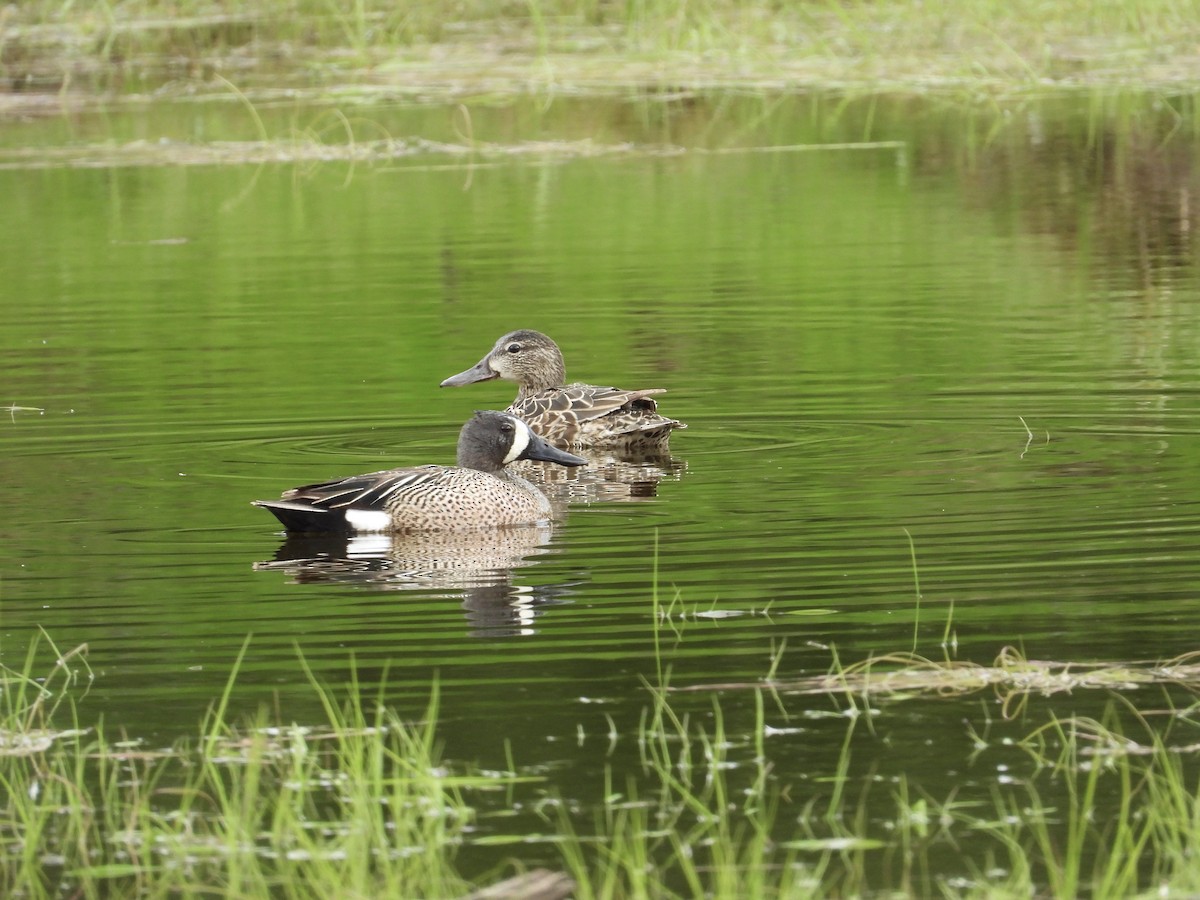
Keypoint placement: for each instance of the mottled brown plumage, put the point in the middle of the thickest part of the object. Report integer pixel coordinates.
(570, 415)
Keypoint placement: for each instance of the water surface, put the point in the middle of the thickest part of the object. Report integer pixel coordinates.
(939, 387)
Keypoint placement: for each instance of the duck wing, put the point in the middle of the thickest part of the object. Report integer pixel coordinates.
(591, 415)
(369, 491)
(585, 402)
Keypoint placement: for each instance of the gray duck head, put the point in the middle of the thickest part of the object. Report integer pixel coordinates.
(527, 357)
(491, 440)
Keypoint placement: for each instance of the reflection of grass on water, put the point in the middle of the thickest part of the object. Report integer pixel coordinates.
(361, 806)
(969, 43)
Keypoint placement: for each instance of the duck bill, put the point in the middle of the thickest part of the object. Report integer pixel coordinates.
(539, 449)
(481, 371)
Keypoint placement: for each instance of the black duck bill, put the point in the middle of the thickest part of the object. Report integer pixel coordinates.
(536, 448)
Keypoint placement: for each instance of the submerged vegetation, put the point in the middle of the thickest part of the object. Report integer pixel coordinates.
(448, 48)
(361, 805)
(1013, 677)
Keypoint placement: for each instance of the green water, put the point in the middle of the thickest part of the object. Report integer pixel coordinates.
(981, 337)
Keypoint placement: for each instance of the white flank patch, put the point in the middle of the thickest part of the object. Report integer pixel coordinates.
(520, 440)
(368, 520)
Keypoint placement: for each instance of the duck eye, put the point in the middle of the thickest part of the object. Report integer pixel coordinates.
(513, 348)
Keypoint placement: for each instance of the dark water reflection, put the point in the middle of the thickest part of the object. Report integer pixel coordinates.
(476, 566)
(985, 342)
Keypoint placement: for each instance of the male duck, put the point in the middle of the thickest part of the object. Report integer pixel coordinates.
(570, 415)
(477, 493)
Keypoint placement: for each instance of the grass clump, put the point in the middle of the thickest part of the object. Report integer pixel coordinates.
(1125, 818)
(361, 805)
(358, 806)
(1012, 677)
(516, 45)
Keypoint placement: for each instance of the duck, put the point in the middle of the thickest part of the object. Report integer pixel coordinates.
(570, 416)
(479, 492)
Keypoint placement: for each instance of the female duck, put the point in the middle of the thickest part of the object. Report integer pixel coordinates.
(570, 415)
(477, 493)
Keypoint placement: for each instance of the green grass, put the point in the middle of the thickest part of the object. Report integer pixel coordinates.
(1127, 825)
(355, 806)
(360, 804)
(448, 46)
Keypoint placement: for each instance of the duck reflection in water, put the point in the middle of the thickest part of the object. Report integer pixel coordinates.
(455, 531)
(474, 566)
(459, 529)
(620, 433)
(609, 477)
